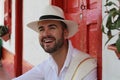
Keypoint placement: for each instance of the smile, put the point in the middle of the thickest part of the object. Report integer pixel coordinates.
(47, 40)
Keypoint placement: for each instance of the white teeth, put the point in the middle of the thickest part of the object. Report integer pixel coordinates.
(47, 40)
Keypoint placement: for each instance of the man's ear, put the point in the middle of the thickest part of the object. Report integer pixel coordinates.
(66, 33)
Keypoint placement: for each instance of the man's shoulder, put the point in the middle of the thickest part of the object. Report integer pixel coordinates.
(80, 66)
(79, 53)
(80, 56)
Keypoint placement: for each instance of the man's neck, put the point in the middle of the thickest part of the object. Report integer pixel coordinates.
(60, 56)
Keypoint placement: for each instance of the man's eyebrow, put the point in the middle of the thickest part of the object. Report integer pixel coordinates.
(40, 27)
(48, 26)
(52, 25)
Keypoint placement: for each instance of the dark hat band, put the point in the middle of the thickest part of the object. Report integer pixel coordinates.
(50, 17)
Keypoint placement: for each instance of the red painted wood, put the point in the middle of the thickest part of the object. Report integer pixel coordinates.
(18, 37)
(80, 39)
(94, 19)
(72, 12)
(8, 17)
(8, 13)
(58, 3)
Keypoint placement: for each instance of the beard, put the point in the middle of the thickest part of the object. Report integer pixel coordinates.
(57, 44)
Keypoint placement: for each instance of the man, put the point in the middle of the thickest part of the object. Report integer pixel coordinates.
(65, 62)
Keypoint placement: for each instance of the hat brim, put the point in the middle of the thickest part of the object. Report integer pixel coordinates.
(71, 25)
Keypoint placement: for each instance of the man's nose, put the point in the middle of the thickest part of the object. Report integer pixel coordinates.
(46, 32)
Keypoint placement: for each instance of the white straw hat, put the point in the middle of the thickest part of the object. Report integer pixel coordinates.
(51, 12)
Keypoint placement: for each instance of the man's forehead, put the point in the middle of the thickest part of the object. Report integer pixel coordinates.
(48, 21)
(55, 22)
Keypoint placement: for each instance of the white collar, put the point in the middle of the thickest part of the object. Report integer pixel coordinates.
(68, 58)
(69, 55)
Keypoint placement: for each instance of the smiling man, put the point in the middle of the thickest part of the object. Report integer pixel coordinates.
(51, 35)
(65, 61)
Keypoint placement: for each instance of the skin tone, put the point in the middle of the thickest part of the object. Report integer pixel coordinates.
(53, 39)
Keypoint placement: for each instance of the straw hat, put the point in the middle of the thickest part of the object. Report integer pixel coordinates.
(51, 12)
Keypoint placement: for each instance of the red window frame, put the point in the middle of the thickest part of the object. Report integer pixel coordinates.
(7, 17)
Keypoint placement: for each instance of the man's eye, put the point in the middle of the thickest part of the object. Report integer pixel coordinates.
(41, 29)
(52, 27)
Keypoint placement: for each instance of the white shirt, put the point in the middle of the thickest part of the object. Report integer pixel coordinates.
(48, 69)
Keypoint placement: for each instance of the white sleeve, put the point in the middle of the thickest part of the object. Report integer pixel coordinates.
(92, 75)
(33, 74)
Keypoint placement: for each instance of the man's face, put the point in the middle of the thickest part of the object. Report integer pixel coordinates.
(51, 35)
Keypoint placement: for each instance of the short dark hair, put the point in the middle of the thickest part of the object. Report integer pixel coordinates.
(63, 24)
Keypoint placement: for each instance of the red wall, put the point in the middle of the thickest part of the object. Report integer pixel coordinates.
(8, 63)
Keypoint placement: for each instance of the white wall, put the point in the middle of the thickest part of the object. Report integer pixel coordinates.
(33, 52)
(111, 64)
(1, 12)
